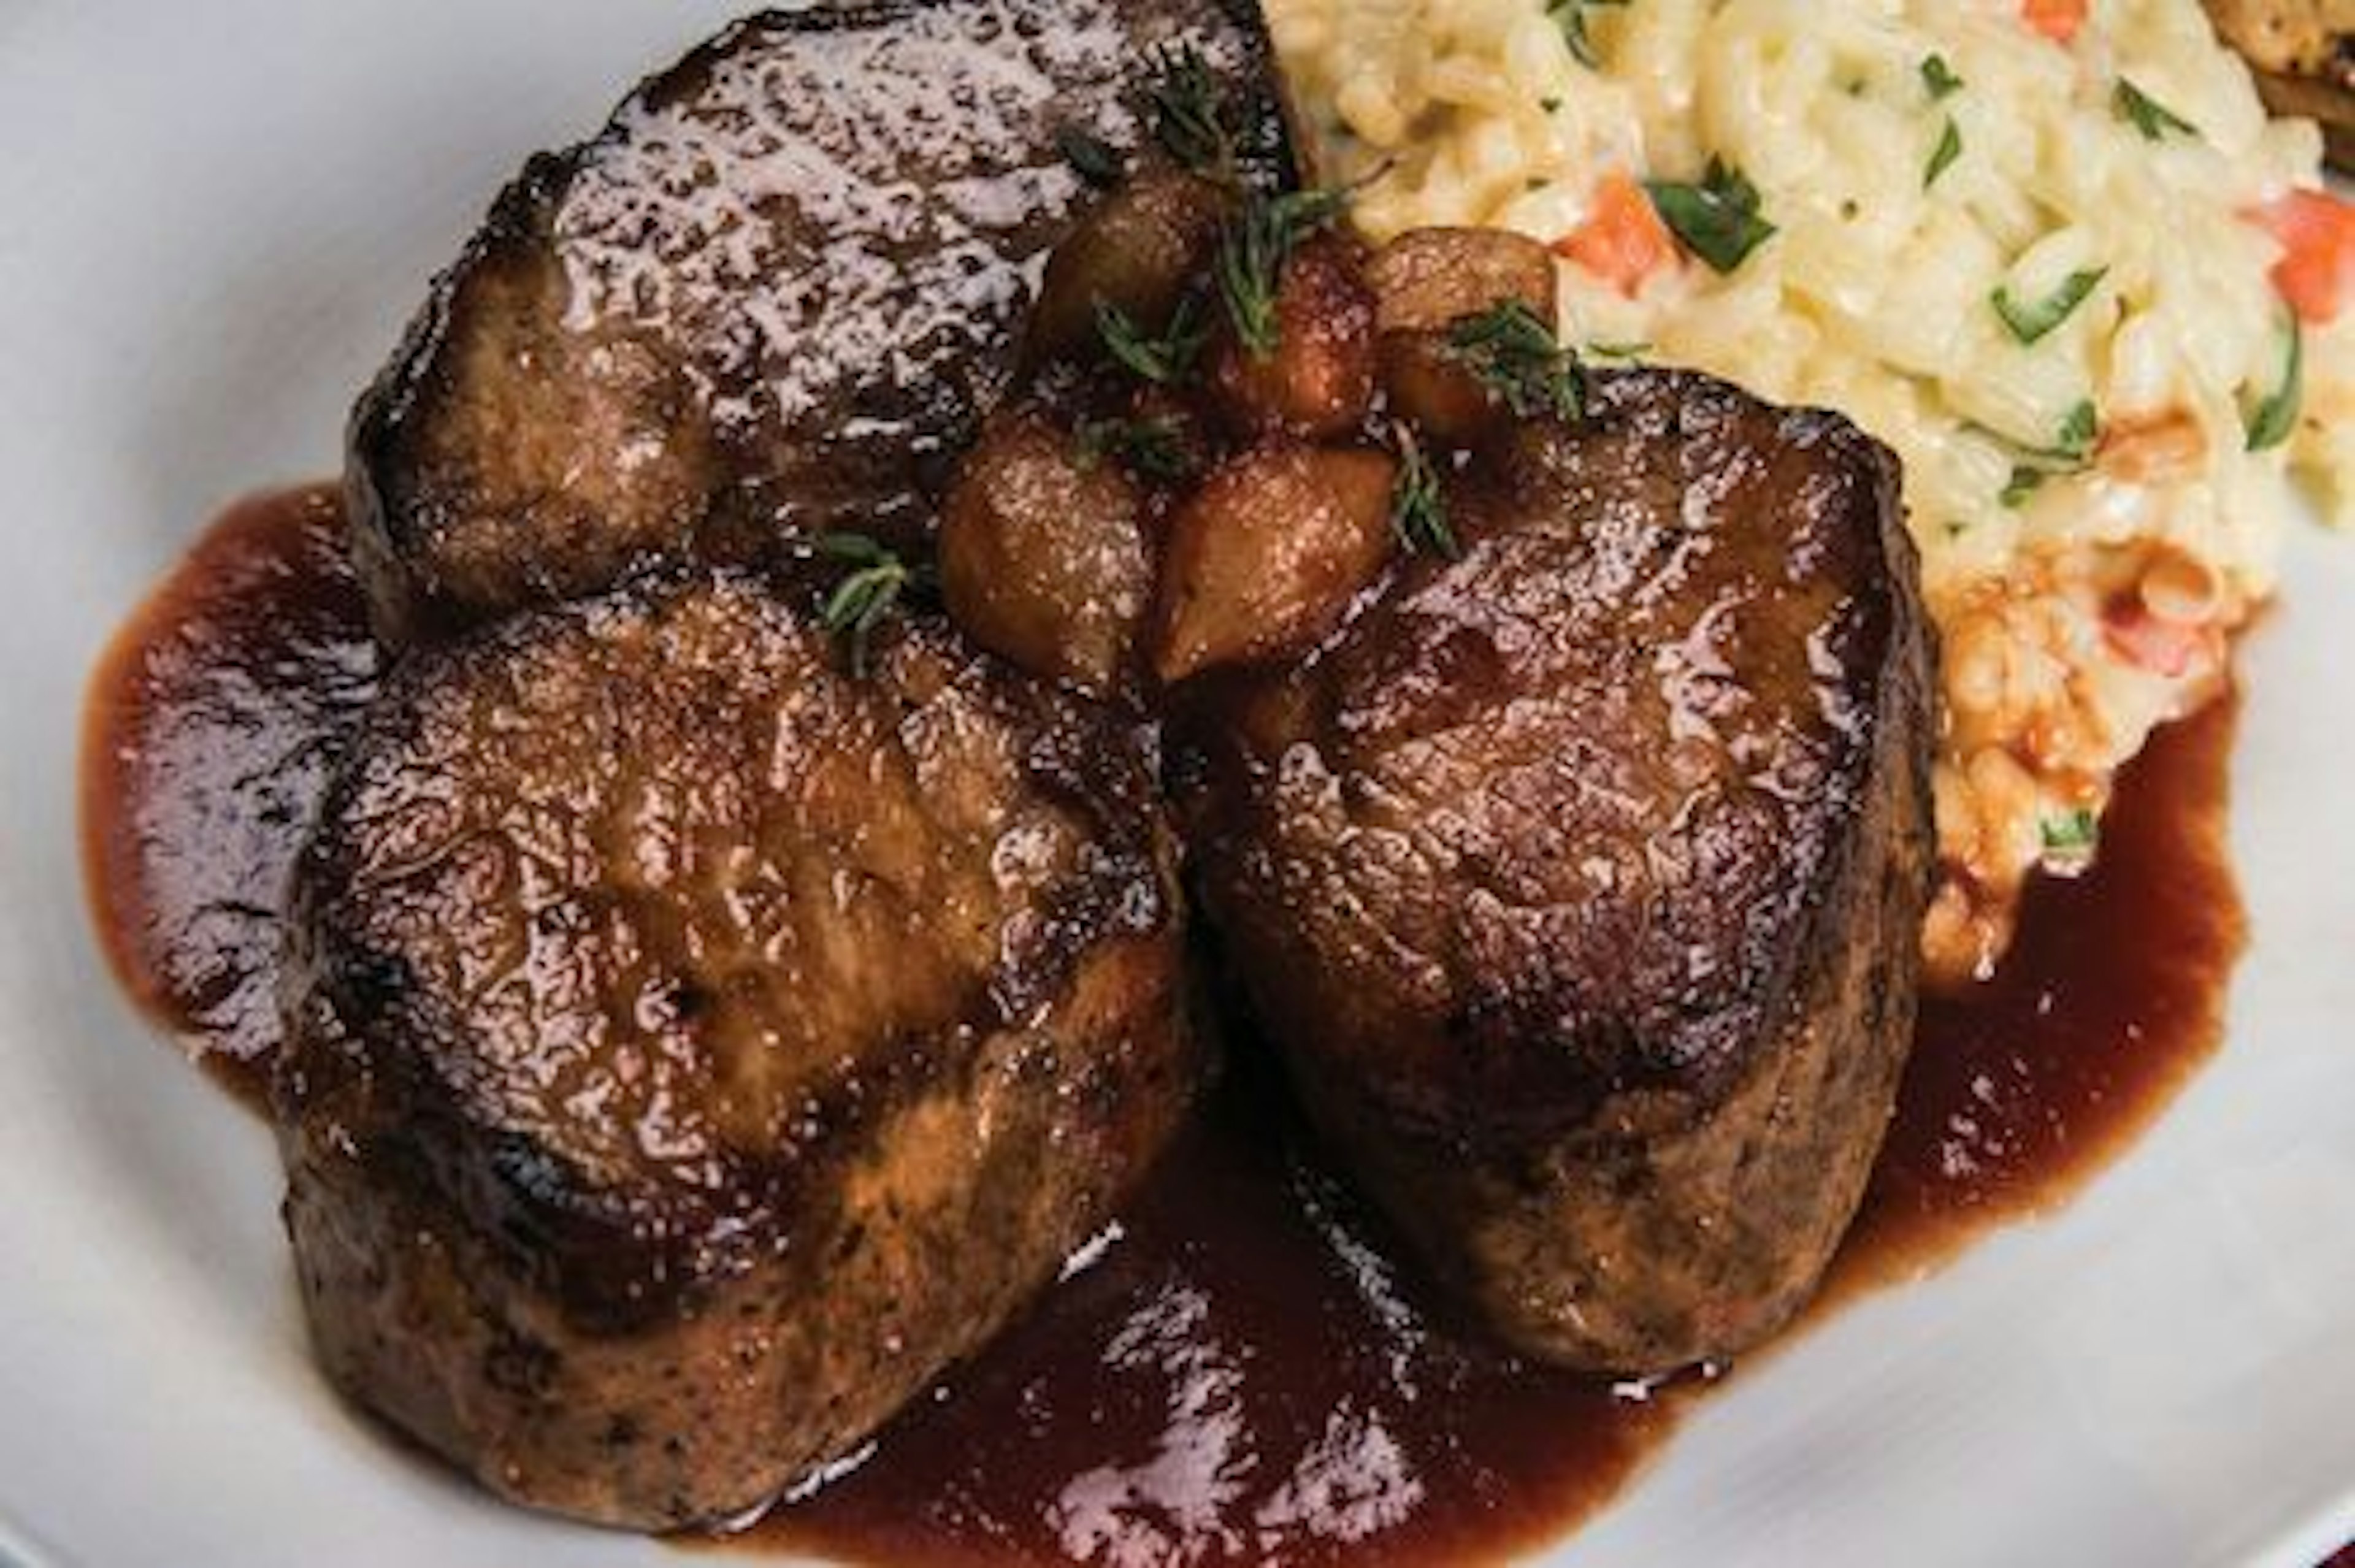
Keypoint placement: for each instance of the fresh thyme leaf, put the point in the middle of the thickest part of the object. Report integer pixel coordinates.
(2148, 114)
(1940, 77)
(872, 589)
(1092, 157)
(1190, 114)
(2029, 322)
(1161, 360)
(1618, 350)
(1512, 352)
(2275, 420)
(1569, 15)
(1717, 218)
(1943, 156)
(1253, 249)
(2070, 835)
(1152, 448)
(1417, 505)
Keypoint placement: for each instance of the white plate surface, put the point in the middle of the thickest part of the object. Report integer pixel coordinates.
(213, 221)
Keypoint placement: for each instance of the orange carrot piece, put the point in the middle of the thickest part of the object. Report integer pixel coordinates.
(2317, 272)
(1623, 240)
(2056, 19)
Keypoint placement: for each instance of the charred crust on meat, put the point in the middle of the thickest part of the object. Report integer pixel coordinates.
(615, 371)
(853, 973)
(1578, 879)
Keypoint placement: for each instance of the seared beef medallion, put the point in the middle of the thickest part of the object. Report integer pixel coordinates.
(1578, 875)
(774, 295)
(694, 1045)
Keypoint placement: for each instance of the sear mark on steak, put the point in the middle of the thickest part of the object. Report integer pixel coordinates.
(1578, 878)
(774, 295)
(693, 1049)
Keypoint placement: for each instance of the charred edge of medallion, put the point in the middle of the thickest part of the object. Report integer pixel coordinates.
(694, 1048)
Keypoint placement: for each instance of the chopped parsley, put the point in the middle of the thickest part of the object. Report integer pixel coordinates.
(2071, 450)
(1717, 218)
(1161, 360)
(2070, 835)
(2275, 419)
(2148, 114)
(1569, 15)
(1253, 249)
(867, 596)
(2031, 321)
(1418, 506)
(1943, 156)
(1940, 77)
(1510, 350)
(1150, 448)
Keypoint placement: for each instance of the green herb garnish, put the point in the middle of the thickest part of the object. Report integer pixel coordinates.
(1943, 156)
(1717, 219)
(2071, 450)
(2070, 835)
(2275, 420)
(1162, 360)
(878, 581)
(2148, 114)
(1191, 117)
(1152, 448)
(1418, 506)
(1940, 79)
(1253, 249)
(1618, 350)
(1092, 157)
(1569, 15)
(2032, 320)
(1511, 351)
(2025, 481)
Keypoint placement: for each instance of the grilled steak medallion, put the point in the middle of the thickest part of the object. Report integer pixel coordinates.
(1579, 877)
(776, 294)
(693, 1048)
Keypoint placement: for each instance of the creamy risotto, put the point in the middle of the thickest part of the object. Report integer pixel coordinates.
(2048, 252)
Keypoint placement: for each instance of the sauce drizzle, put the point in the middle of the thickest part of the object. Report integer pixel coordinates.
(1241, 1370)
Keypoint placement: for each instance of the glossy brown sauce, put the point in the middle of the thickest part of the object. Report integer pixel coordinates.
(1242, 1371)
(210, 724)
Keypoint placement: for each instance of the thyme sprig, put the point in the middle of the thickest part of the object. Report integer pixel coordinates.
(1417, 505)
(1191, 117)
(1253, 248)
(1164, 358)
(1150, 448)
(877, 581)
(1511, 350)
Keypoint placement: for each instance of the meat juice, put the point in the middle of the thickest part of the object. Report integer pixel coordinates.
(1242, 1368)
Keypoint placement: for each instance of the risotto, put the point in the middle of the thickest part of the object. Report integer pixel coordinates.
(2050, 254)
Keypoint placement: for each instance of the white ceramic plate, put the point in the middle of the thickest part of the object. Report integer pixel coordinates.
(213, 222)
